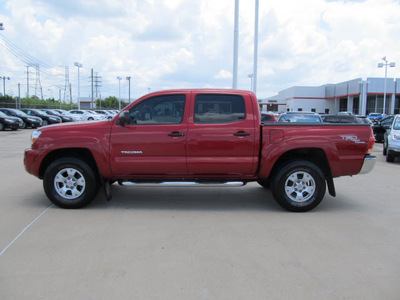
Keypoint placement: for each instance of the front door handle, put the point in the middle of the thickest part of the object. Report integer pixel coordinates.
(241, 134)
(176, 134)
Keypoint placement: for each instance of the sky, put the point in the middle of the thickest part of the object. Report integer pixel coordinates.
(169, 44)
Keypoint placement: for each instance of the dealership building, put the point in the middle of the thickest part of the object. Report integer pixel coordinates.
(358, 96)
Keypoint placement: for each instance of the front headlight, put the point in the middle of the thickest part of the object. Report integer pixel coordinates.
(35, 135)
(8, 121)
(53, 119)
(32, 119)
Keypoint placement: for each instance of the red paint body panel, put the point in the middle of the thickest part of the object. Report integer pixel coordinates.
(241, 150)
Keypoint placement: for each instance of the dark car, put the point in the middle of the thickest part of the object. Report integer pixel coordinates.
(339, 119)
(64, 118)
(9, 122)
(46, 119)
(380, 128)
(364, 120)
(28, 121)
(375, 117)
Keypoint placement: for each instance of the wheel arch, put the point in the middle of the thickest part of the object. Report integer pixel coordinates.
(315, 155)
(80, 153)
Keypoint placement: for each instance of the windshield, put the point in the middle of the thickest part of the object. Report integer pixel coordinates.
(19, 113)
(40, 113)
(396, 125)
(2, 114)
(300, 118)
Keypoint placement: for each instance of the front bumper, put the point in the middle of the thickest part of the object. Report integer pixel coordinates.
(368, 164)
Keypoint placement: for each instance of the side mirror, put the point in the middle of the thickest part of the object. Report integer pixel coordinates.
(124, 118)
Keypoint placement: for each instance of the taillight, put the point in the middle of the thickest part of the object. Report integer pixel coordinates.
(371, 143)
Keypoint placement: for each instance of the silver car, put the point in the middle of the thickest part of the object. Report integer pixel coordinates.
(391, 140)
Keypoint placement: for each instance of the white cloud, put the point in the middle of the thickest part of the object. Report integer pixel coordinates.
(184, 43)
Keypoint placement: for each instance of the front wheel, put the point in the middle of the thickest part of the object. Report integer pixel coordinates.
(299, 186)
(70, 183)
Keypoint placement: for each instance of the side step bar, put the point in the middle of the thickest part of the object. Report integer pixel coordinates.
(182, 183)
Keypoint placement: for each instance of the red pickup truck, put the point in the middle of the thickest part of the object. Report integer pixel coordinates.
(201, 136)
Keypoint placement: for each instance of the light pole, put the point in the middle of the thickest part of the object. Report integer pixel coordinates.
(76, 64)
(4, 84)
(380, 65)
(251, 81)
(129, 93)
(235, 46)
(254, 80)
(119, 92)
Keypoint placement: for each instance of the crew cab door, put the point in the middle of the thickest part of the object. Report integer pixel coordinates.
(154, 141)
(222, 137)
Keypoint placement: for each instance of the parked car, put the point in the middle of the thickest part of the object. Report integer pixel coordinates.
(106, 114)
(87, 115)
(391, 143)
(375, 117)
(379, 128)
(300, 117)
(75, 117)
(28, 121)
(9, 122)
(364, 120)
(339, 118)
(64, 118)
(345, 113)
(268, 117)
(46, 119)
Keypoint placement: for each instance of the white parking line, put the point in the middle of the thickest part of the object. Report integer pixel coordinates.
(23, 230)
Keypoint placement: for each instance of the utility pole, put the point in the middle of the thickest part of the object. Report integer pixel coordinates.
(18, 104)
(92, 88)
(4, 84)
(129, 94)
(119, 92)
(76, 64)
(27, 81)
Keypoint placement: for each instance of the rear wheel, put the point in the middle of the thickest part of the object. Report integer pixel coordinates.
(1, 126)
(70, 183)
(299, 186)
(389, 156)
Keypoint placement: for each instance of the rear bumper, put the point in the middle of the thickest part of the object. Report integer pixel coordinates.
(368, 164)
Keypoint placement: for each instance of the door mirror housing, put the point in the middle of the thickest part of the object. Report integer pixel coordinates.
(124, 118)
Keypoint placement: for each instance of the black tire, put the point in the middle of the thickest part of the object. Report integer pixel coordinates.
(45, 123)
(23, 125)
(70, 183)
(265, 183)
(299, 186)
(389, 156)
(1, 126)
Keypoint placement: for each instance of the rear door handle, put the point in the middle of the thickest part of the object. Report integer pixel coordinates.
(241, 134)
(176, 134)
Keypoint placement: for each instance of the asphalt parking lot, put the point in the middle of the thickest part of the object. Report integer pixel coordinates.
(198, 242)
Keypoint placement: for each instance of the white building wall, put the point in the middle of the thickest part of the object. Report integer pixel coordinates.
(327, 98)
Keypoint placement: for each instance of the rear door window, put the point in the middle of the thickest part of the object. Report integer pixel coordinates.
(219, 109)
